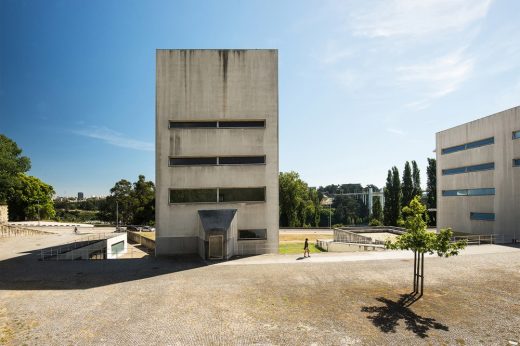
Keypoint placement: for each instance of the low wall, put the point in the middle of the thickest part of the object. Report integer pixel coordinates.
(139, 239)
(4, 215)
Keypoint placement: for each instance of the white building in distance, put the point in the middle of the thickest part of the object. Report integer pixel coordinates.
(216, 152)
(478, 176)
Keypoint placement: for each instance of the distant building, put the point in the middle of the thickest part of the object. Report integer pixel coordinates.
(478, 176)
(80, 196)
(216, 152)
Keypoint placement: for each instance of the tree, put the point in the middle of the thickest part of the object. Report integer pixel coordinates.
(416, 180)
(123, 200)
(377, 212)
(393, 196)
(11, 165)
(431, 189)
(420, 241)
(296, 204)
(30, 199)
(144, 198)
(407, 187)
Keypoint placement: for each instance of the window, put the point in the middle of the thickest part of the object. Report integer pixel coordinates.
(482, 216)
(192, 124)
(468, 169)
(470, 145)
(208, 124)
(249, 194)
(193, 196)
(192, 161)
(241, 160)
(516, 134)
(516, 162)
(469, 192)
(117, 248)
(225, 160)
(252, 234)
(242, 124)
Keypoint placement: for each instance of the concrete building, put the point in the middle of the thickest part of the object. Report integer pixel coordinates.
(216, 152)
(478, 176)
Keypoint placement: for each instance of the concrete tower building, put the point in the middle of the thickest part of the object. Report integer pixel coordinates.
(216, 152)
(478, 176)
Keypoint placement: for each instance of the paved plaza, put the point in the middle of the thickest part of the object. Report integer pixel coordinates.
(329, 299)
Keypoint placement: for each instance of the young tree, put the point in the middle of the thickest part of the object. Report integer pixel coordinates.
(408, 188)
(416, 179)
(431, 189)
(420, 241)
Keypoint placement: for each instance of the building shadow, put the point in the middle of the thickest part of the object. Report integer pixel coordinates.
(388, 316)
(27, 272)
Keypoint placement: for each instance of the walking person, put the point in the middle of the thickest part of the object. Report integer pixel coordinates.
(306, 252)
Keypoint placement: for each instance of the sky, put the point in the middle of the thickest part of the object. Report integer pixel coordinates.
(363, 85)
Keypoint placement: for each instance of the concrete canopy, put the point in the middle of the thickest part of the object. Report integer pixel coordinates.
(219, 219)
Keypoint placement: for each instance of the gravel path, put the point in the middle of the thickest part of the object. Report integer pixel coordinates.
(472, 299)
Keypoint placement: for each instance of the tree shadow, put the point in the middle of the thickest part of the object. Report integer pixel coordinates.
(387, 317)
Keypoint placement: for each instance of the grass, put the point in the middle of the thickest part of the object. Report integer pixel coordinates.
(301, 237)
(296, 248)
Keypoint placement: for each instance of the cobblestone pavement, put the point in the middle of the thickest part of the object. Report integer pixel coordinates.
(473, 299)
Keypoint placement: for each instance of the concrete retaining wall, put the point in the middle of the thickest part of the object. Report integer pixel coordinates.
(139, 239)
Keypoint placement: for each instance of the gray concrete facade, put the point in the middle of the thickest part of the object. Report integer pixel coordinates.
(480, 199)
(215, 86)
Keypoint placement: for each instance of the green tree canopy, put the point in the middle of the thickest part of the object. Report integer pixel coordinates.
(431, 188)
(30, 199)
(11, 164)
(299, 204)
(393, 196)
(416, 180)
(407, 186)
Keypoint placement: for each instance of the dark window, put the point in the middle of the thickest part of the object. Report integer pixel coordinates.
(241, 123)
(469, 192)
(192, 124)
(482, 216)
(516, 135)
(481, 192)
(249, 194)
(193, 196)
(516, 162)
(467, 169)
(252, 234)
(241, 160)
(470, 145)
(192, 161)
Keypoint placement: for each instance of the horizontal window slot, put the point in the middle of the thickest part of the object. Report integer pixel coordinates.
(193, 195)
(469, 192)
(470, 145)
(192, 161)
(516, 162)
(252, 234)
(222, 160)
(241, 160)
(482, 216)
(207, 124)
(192, 124)
(249, 194)
(217, 195)
(242, 124)
(516, 134)
(468, 169)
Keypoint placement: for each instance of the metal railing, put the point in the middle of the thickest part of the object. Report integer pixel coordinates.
(481, 239)
(344, 236)
(74, 245)
(7, 230)
(101, 254)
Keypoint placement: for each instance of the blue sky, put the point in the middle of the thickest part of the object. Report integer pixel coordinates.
(364, 85)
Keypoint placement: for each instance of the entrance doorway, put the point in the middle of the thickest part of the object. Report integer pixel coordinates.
(216, 247)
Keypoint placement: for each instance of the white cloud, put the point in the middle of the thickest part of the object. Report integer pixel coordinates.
(395, 131)
(416, 18)
(437, 78)
(114, 138)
